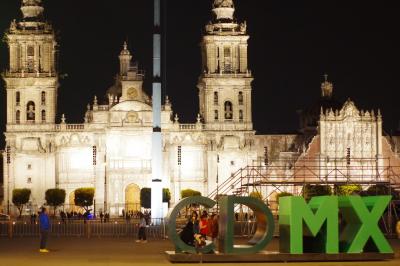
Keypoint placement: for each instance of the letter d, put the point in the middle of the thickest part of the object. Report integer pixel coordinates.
(264, 219)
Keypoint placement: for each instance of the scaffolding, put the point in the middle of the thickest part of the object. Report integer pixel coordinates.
(292, 175)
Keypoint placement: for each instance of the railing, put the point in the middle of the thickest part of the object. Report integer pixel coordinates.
(103, 108)
(227, 125)
(29, 74)
(70, 127)
(134, 73)
(228, 74)
(191, 127)
(92, 228)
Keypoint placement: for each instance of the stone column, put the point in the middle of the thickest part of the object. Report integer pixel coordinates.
(216, 58)
(379, 137)
(23, 56)
(5, 181)
(36, 58)
(13, 57)
(221, 58)
(210, 53)
(323, 137)
(243, 58)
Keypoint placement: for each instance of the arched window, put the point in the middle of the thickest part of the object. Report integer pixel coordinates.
(227, 60)
(30, 58)
(43, 116)
(216, 115)
(18, 117)
(31, 51)
(17, 98)
(240, 96)
(215, 98)
(43, 97)
(30, 111)
(241, 115)
(228, 110)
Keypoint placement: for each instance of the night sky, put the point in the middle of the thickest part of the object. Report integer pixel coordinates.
(292, 44)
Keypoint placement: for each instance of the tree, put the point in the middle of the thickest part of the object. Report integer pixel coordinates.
(189, 193)
(145, 197)
(20, 197)
(55, 197)
(256, 194)
(166, 195)
(347, 190)
(310, 191)
(84, 197)
(380, 190)
(283, 194)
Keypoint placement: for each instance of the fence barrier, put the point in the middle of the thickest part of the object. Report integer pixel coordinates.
(79, 228)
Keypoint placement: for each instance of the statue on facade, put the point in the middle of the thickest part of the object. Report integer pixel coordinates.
(228, 112)
(30, 114)
(13, 25)
(209, 27)
(223, 3)
(243, 26)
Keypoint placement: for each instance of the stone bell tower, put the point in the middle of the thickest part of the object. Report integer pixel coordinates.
(225, 84)
(31, 80)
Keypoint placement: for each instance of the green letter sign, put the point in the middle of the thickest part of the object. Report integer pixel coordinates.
(320, 214)
(265, 225)
(362, 216)
(173, 235)
(312, 227)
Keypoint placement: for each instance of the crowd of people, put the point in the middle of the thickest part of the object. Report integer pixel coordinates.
(103, 216)
(199, 229)
(128, 215)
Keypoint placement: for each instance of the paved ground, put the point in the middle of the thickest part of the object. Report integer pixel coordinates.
(115, 252)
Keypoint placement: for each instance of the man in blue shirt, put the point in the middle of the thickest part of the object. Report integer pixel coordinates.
(44, 229)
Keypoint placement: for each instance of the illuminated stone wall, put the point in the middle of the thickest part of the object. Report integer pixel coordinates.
(45, 154)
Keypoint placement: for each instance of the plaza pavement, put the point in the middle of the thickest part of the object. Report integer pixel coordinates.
(116, 252)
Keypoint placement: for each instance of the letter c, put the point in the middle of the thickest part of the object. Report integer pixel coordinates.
(181, 246)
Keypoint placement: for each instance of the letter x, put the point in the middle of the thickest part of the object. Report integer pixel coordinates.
(362, 216)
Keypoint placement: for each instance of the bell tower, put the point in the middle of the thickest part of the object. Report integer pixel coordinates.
(225, 84)
(31, 80)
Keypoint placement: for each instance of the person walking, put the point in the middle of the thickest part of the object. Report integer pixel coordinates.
(44, 230)
(142, 229)
(101, 216)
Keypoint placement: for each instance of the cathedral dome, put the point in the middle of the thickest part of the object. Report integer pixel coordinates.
(223, 9)
(32, 8)
(128, 106)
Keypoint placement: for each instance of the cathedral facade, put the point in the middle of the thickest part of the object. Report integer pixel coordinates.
(111, 150)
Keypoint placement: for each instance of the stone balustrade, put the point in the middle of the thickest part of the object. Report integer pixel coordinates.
(29, 74)
(70, 127)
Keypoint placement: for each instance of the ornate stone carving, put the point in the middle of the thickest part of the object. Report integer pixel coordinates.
(132, 93)
(223, 3)
(132, 117)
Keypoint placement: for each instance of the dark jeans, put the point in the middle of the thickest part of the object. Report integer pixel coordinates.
(142, 233)
(43, 238)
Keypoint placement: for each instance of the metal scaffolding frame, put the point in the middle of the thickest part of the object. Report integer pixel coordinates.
(292, 175)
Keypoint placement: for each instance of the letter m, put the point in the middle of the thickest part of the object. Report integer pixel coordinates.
(316, 222)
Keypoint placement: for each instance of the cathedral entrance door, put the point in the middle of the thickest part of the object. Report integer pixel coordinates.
(132, 198)
(72, 206)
